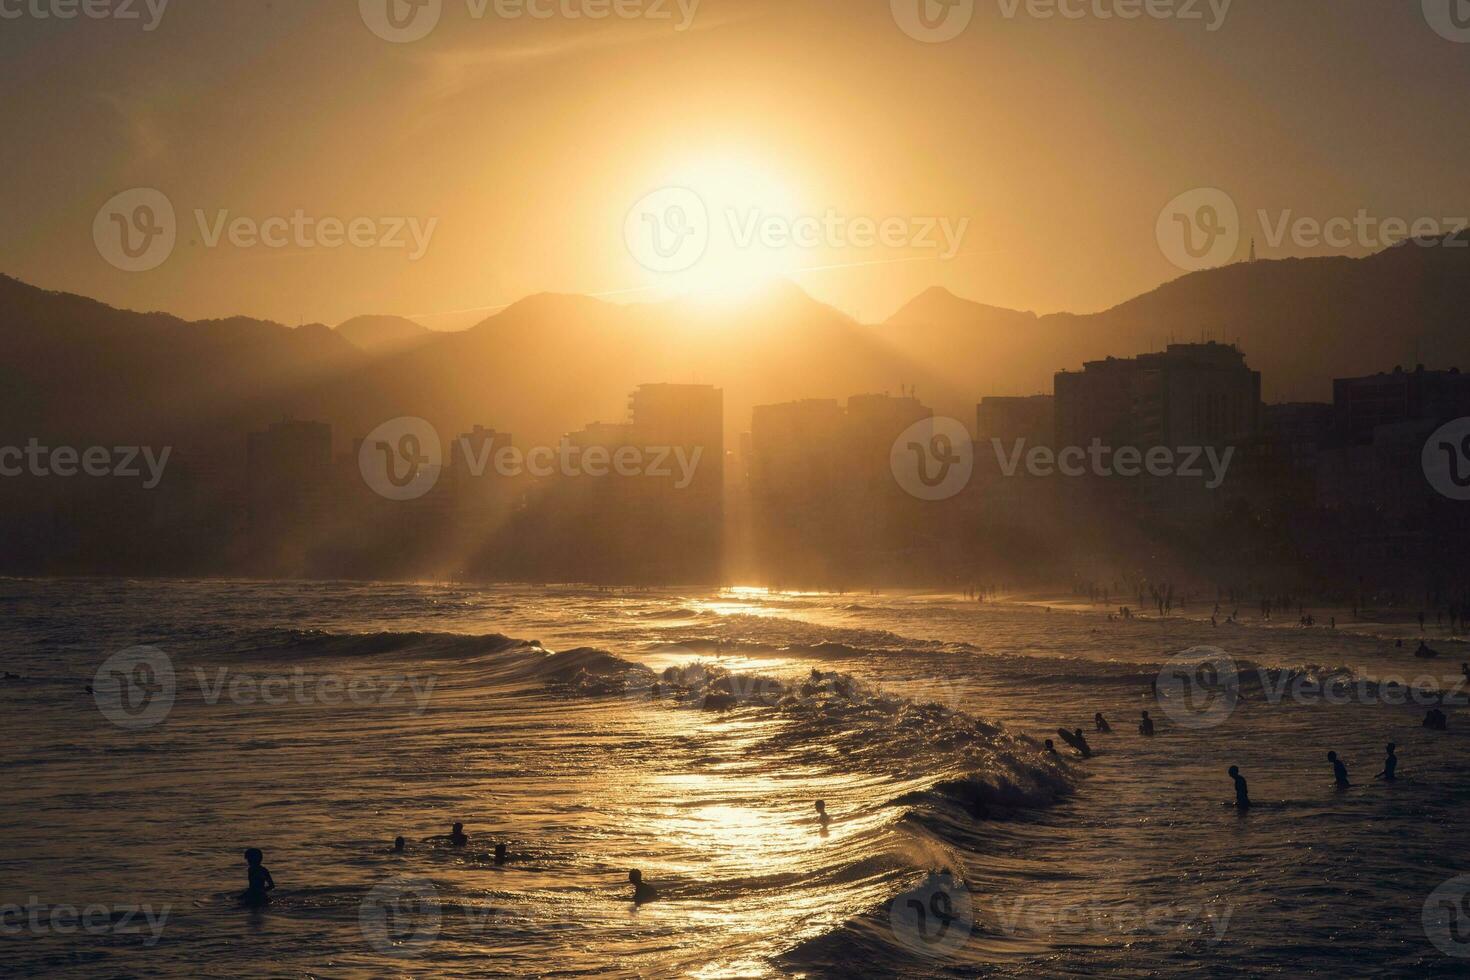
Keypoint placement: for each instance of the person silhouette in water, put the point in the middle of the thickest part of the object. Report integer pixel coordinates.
(499, 853)
(398, 845)
(1390, 765)
(642, 891)
(258, 878)
(1050, 747)
(1242, 795)
(457, 836)
(1146, 727)
(1101, 723)
(822, 817)
(1082, 745)
(1339, 771)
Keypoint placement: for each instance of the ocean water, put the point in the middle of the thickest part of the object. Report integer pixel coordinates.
(686, 735)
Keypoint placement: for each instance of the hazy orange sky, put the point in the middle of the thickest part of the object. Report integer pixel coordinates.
(520, 144)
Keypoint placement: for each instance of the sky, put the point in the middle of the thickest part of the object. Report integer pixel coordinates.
(441, 159)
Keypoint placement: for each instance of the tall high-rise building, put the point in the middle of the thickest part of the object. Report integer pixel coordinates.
(1187, 395)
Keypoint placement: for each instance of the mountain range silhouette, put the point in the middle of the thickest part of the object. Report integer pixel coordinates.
(77, 370)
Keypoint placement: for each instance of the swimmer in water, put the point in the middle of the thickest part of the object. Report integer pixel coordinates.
(457, 836)
(398, 845)
(822, 817)
(1082, 745)
(1050, 747)
(642, 892)
(499, 853)
(258, 878)
(1101, 723)
(1146, 727)
(1390, 765)
(1339, 771)
(1242, 795)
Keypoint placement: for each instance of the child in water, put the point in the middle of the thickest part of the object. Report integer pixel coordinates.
(259, 879)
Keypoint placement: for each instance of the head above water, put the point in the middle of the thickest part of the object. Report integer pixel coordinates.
(398, 843)
(458, 826)
(253, 855)
(636, 877)
(821, 806)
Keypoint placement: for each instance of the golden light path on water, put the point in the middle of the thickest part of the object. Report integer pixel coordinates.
(689, 736)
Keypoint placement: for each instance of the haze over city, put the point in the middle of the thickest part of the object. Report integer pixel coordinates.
(734, 488)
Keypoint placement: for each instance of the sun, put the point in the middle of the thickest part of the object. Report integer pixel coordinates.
(732, 216)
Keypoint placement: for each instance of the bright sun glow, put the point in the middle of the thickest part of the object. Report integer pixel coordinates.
(737, 210)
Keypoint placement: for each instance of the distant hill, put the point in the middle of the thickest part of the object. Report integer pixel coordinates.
(75, 369)
(1301, 322)
(383, 334)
